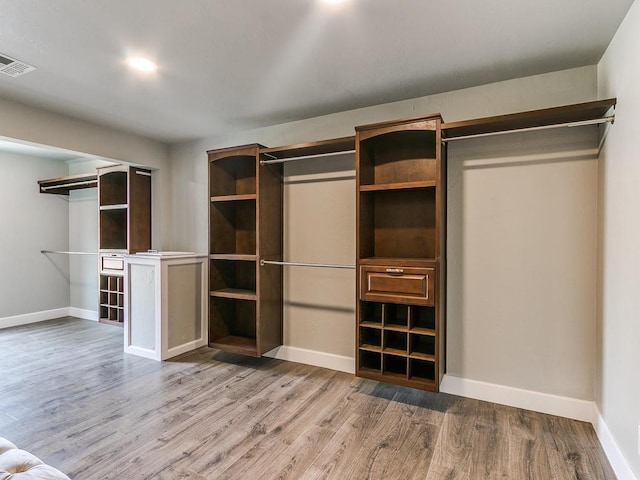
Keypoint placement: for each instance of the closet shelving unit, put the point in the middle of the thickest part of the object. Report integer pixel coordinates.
(245, 224)
(401, 179)
(401, 239)
(124, 198)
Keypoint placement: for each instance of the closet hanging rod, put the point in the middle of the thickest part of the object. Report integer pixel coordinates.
(300, 264)
(583, 123)
(66, 253)
(304, 157)
(72, 184)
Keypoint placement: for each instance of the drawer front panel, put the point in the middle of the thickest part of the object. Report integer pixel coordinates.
(410, 285)
(109, 263)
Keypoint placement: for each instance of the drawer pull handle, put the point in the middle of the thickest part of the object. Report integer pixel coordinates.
(395, 271)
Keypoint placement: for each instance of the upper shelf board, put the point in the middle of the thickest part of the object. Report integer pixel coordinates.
(323, 147)
(62, 185)
(535, 118)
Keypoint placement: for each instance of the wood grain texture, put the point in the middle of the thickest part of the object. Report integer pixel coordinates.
(71, 396)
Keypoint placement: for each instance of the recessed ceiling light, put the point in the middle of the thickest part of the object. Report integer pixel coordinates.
(142, 64)
(334, 2)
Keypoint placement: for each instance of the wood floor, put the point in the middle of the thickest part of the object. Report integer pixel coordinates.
(71, 396)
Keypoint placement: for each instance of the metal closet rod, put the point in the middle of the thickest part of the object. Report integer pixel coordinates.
(596, 121)
(300, 264)
(303, 157)
(67, 253)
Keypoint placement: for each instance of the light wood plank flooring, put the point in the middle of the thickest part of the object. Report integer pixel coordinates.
(71, 396)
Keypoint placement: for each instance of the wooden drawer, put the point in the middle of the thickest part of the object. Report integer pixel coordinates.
(411, 285)
(112, 263)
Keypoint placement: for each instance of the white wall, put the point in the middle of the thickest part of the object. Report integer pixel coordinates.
(30, 281)
(546, 186)
(618, 358)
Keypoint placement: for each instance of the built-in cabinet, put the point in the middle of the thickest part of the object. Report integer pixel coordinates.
(245, 224)
(124, 199)
(401, 183)
(401, 173)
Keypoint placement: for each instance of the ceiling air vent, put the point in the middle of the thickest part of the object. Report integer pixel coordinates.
(14, 68)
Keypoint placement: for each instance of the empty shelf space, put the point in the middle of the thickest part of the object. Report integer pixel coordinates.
(233, 175)
(238, 293)
(397, 186)
(236, 344)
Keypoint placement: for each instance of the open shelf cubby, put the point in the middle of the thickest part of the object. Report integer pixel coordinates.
(370, 339)
(397, 158)
(113, 188)
(394, 365)
(234, 175)
(232, 325)
(233, 227)
(232, 275)
(398, 223)
(422, 320)
(113, 229)
(370, 361)
(396, 316)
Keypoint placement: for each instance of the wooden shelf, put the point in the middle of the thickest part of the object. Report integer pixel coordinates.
(234, 256)
(423, 331)
(397, 186)
(371, 348)
(422, 356)
(375, 325)
(322, 147)
(394, 351)
(232, 198)
(397, 328)
(237, 293)
(235, 344)
(535, 118)
(120, 206)
(63, 185)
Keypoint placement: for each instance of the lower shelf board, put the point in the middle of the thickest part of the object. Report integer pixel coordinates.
(398, 379)
(111, 322)
(235, 344)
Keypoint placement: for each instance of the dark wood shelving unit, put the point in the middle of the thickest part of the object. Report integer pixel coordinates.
(245, 224)
(124, 199)
(401, 184)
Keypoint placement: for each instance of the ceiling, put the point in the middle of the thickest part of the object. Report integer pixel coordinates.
(237, 64)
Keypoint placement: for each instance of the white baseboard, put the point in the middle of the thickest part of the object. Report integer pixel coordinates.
(33, 317)
(611, 449)
(83, 313)
(515, 397)
(313, 357)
